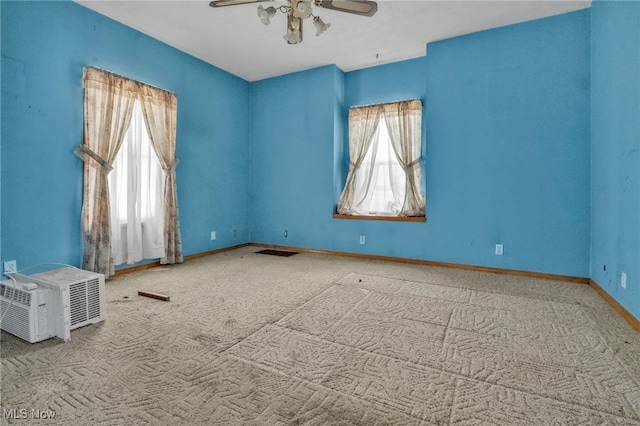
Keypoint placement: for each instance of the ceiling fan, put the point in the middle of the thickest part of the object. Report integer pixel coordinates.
(298, 10)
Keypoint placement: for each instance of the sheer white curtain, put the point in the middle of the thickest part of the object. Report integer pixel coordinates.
(136, 192)
(380, 181)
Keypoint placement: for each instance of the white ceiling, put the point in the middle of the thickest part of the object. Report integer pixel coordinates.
(234, 39)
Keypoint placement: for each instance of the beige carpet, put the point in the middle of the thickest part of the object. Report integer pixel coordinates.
(314, 339)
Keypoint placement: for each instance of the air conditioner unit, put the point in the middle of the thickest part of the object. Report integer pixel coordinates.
(27, 311)
(78, 298)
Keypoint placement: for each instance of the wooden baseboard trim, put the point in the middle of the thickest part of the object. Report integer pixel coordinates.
(137, 268)
(515, 272)
(633, 321)
(554, 277)
(217, 251)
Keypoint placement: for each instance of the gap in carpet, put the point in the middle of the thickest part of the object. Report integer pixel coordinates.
(281, 253)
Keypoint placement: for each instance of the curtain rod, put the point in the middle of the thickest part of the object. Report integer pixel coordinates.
(130, 79)
(386, 103)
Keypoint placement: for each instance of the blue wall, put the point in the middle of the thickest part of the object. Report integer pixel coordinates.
(45, 45)
(293, 126)
(506, 149)
(508, 146)
(615, 160)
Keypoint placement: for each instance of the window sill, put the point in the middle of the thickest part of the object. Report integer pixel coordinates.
(387, 218)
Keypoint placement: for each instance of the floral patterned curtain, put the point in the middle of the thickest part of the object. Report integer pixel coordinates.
(160, 113)
(108, 104)
(109, 100)
(404, 123)
(363, 123)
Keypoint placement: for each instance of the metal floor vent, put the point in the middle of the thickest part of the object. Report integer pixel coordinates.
(280, 253)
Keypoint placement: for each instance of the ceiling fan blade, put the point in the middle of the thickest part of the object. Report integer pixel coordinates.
(359, 7)
(221, 3)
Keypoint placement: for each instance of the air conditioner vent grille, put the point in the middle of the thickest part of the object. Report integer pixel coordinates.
(19, 296)
(93, 298)
(18, 322)
(78, 302)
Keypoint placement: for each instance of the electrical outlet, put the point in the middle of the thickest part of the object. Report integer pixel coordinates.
(10, 267)
(286, 233)
(623, 280)
(363, 239)
(234, 233)
(499, 250)
(213, 235)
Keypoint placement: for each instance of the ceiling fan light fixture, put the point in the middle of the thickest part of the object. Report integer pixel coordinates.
(266, 14)
(294, 30)
(292, 37)
(301, 8)
(320, 25)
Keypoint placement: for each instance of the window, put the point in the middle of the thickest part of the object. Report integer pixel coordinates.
(381, 180)
(385, 145)
(109, 104)
(136, 194)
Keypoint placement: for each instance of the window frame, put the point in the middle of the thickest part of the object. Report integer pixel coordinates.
(383, 217)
